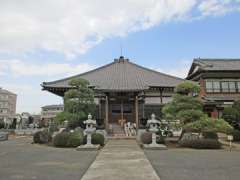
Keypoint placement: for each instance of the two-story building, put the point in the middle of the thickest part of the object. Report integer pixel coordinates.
(49, 112)
(219, 80)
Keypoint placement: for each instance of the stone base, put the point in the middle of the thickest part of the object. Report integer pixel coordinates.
(155, 147)
(88, 147)
(3, 136)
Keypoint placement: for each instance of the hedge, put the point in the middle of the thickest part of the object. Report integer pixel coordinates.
(42, 137)
(210, 135)
(201, 144)
(68, 139)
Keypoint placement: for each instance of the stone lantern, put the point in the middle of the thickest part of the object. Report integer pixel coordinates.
(90, 129)
(153, 126)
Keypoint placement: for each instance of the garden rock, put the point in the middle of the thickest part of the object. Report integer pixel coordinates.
(3, 136)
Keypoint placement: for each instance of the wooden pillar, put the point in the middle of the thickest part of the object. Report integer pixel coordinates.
(106, 112)
(161, 99)
(100, 108)
(122, 110)
(136, 111)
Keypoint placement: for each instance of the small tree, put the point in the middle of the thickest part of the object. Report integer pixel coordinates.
(78, 102)
(209, 124)
(185, 106)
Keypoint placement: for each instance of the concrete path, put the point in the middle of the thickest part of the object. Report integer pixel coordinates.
(121, 159)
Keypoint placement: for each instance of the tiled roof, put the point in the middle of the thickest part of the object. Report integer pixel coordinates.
(218, 64)
(54, 106)
(121, 75)
(200, 65)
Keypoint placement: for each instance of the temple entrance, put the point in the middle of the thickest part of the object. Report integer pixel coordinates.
(121, 111)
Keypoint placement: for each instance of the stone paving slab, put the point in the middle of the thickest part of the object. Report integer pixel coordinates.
(120, 160)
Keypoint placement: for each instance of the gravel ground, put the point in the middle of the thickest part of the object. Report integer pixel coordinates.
(187, 164)
(19, 159)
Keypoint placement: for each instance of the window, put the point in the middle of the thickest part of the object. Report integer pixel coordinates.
(238, 86)
(209, 86)
(216, 86)
(224, 86)
(232, 87)
(213, 86)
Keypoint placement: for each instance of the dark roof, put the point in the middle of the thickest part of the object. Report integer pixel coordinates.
(53, 106)
(120, 75)
(213, 65)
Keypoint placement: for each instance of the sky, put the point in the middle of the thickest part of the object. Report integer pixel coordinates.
(51, 39)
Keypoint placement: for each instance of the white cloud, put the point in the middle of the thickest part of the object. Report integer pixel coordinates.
(215, 7)
(73, 26)
(21, 68)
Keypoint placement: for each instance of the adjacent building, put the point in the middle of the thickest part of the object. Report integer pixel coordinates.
(49, 112)
(123, 91)
(8, 102)
(219, 80)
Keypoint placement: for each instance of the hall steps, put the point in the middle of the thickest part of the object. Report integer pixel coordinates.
(117, 132)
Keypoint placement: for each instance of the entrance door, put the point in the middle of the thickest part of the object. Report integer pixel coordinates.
(122, 109)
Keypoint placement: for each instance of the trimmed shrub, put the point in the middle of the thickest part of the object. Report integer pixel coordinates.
(201, 144)
(236, 135)
(209, 124)
(146, 138)
(75, 139)
(42, 137)
(210, 135)
(61, 139)
(68, 139)
(97, 138)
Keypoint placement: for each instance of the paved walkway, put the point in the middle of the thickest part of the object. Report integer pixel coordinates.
(120, 160)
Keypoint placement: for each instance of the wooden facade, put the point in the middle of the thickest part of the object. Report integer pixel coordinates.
(219, 81)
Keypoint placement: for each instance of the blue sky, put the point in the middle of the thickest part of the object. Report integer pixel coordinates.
(164, 35)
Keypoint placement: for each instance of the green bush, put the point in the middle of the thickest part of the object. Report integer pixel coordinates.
(68, 139)
(206, 124)
(201, 143)
(210, 135)
(235, 134)
(42, 137)
(97, 138)
(75, 139)
(146, 138)
(61, 139)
